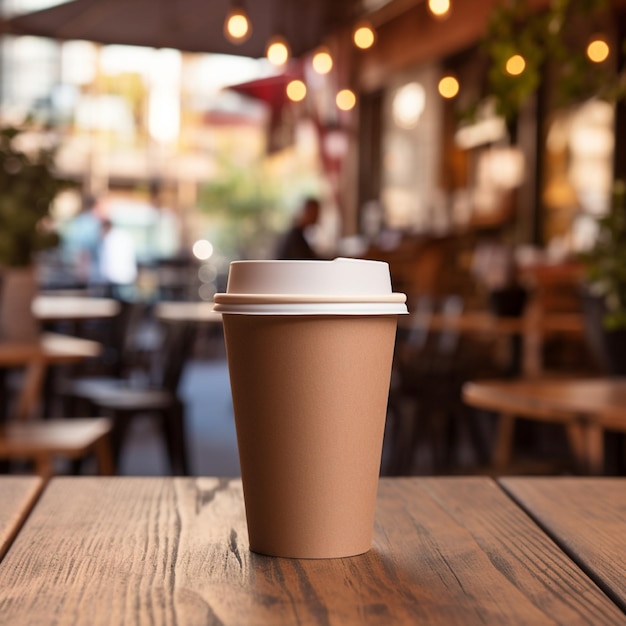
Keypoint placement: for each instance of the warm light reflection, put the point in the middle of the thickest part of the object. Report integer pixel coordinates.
(408, 105)
(515, 65)
(345, 100)
(439, 8)
(237, 26)
(296, 90)
(277, 51)
(448, 87)
(322, 61)
(364, 36)
(598, 50)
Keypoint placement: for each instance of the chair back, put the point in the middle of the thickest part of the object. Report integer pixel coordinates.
(177, 347)
(450, 334)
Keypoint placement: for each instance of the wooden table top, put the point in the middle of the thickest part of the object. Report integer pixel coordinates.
(174, 550)
(587, 518)
(51, 348)
(201, 312)
(558, 398)
(54, 308)
(17, 495)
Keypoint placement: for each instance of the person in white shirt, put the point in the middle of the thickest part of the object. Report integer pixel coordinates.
(118, 263)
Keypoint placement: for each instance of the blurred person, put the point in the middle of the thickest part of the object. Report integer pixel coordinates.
(81, 241)
(118, 262)
(294, 243)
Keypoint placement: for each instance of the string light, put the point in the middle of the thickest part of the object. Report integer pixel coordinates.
(439, 8)
(345, 100)
(448, 87)
(515, 65)
(277, 51)
(322, 61)
(237, 26)
(363, 35)
(598, 50)
(296, 90)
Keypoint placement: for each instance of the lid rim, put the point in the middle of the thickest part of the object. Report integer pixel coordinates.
(253, 298)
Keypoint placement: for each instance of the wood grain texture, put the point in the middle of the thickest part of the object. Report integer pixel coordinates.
(17, 495)
(175, 551)
(587, 518)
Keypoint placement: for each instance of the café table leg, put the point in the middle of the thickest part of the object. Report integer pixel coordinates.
(44, 466)
(504, 441)
(577, 439)
(104, 456)
(595, 448)
(30, 394)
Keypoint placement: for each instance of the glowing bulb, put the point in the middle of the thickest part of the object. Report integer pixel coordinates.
(598, 50)
(345, 100)
(439, 8)
(277, 50)
(363, 36)
(515, 65)
(237, 26)
(202, 249)
(296, 90)
(322, 61)
(448, 87)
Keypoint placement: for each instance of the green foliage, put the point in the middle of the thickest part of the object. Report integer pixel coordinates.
(27, 187)
(244, 203)
(552, 43)
(606, 261)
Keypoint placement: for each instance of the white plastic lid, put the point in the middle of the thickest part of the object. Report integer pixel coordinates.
(338, 287)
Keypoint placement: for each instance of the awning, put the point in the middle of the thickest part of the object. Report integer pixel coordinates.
(187, 25)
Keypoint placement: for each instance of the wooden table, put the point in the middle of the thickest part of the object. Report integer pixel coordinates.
(50, 308)
(585, 407)
(17, 494)
(529, 331)
(199, 312)
(585, 517)
(52, 349)
(175, 551)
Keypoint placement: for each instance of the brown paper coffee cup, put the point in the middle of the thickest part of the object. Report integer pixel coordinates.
(310, 395)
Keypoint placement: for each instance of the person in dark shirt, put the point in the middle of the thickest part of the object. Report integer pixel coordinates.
(294, 244)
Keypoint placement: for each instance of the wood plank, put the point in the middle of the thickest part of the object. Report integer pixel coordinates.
(587, 518)
(17, 496)
(163, 550)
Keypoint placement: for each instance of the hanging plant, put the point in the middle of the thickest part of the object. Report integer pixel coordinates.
(552, 44)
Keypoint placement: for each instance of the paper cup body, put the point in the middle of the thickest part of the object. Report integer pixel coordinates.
(310, 397)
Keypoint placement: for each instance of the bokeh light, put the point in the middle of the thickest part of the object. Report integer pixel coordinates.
(363, 36)
(345, 100)
(296, 90)
(202, 249)
(515, 65)
(448, 87)
(439, 8)
(322, 61)
(598, 50)
(277, 51)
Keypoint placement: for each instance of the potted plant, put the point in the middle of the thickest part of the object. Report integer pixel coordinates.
(605, 297)
(28, 185)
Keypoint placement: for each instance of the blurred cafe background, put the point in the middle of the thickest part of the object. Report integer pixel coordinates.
(477, 147)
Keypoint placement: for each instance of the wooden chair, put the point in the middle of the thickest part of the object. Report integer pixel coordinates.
(123, 400)
(428, 374)
(42, 442)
